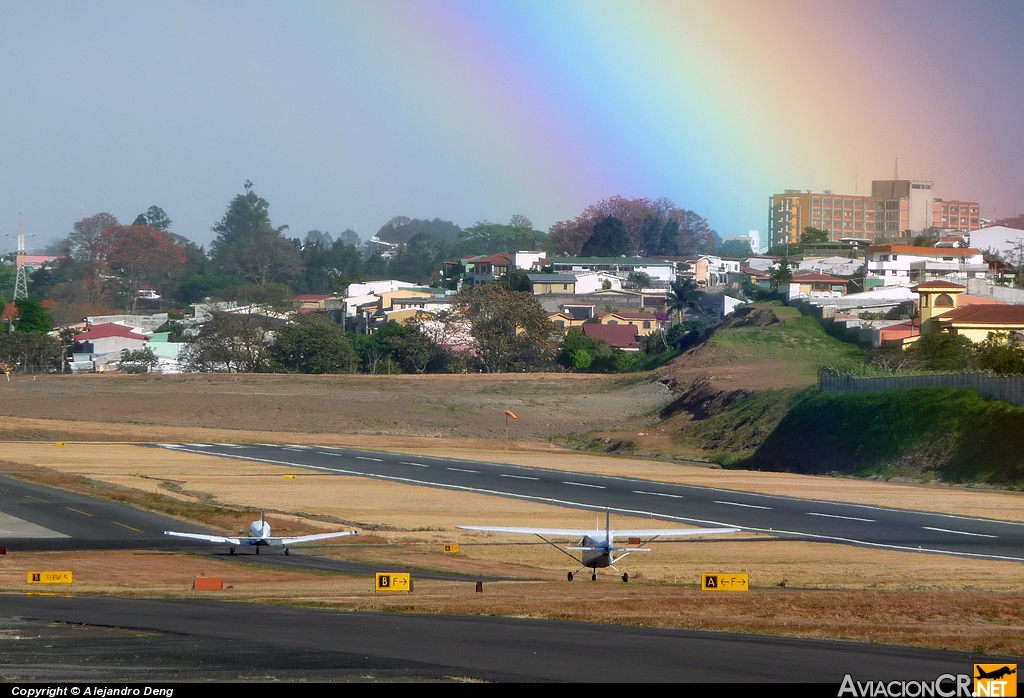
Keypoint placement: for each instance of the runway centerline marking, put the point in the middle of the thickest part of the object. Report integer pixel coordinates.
(131, 528)
(960, 533)
(379, 460)
(645, 514)
(78, 511)
(659, 494)
(328, 453)
(518, 477)
(28, 496)
(418, 465)
(837, 516)
(583, 484)
(737, 504)
(464, 470)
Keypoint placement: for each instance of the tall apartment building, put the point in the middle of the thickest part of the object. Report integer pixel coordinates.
(956, 216)
(842, 215)
(895, 207)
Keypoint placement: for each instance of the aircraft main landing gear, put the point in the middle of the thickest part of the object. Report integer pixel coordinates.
(569, 576)
(593, 577)
(231, 550)
(625, 576)
(286, 551)
(257, 550)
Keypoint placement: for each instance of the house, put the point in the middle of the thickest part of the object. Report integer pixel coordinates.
(624, 337)
(593, 281)
(646, 323)
(946, 308)
(905, 265)
(387, 297)
(562, 321)
(108, 338)
(1001, 239)
(478, 269)
(710, 270)
(661, 272)
(311, 302)
(815, 285)
(552, 283)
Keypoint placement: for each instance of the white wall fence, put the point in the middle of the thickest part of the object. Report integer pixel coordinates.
(988, 386)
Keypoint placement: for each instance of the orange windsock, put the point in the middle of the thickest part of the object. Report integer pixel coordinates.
(509, 413)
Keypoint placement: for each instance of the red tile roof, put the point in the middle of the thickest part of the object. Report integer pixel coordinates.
(498, 258)
(939, 286)
(621, 336)
(984, 315)
(108, 329)
(816, 276)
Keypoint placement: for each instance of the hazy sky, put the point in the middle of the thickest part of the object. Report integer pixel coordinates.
(345, 114)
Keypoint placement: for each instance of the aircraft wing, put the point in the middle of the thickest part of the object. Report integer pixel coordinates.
(307, 539)
(598, 533)
(670, 532)
(208, 539)
(556, 532)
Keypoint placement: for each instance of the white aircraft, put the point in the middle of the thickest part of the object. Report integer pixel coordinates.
(259, 535)
(598, 547)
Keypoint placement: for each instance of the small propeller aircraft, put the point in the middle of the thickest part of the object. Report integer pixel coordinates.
(259, 535)
(598, 547)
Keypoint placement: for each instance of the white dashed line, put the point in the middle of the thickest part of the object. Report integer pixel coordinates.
(418, 465)
(837, 516)
(583, 484)
(463, 470)
(379, 460)
(659, 494)
(518, 477)
(961, 533)
(328, 453)
(737, 504)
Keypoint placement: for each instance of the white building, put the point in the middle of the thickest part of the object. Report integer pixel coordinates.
(659, 270)
(593, 281)
(907, 265)
(371, 287)
(1000, 238)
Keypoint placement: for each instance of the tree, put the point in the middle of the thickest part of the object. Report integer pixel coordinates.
(314, 343)
(138, 361)
(487, 238)
(231, 343)
(154, 217)
(609, 239)
(927, 237)
(813, 235)
(29, 352)
(735, 248)
(638, 279)
(1002, 353)
(246, 213)
(509, 327)
(402, 229)
(692, 234)
(84, 243)
(32, 316)
(138, 253)
(263, 256)
(579, 350)
(782, 274)
(682, 295)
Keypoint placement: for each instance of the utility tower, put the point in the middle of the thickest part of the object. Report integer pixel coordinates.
(21, 282)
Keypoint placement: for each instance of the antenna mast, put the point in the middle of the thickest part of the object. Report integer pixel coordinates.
(21, 282)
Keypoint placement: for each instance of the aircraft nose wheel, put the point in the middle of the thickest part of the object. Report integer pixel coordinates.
(625, 576)
(569, 576)
(231, 550)
(593, 577)
(286, 551)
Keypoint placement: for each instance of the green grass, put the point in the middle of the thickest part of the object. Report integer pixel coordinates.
(740, 429)
(798, 339)
(924, 433)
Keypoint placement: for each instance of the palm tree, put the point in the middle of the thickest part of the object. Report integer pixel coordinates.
(683, 295)
(782, 274)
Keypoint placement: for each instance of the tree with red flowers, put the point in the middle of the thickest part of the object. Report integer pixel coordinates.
(650, 224)
(138, 253)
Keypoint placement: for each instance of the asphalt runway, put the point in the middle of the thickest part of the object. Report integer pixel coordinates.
(854, 524)
(196, 639)
(37, 518)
